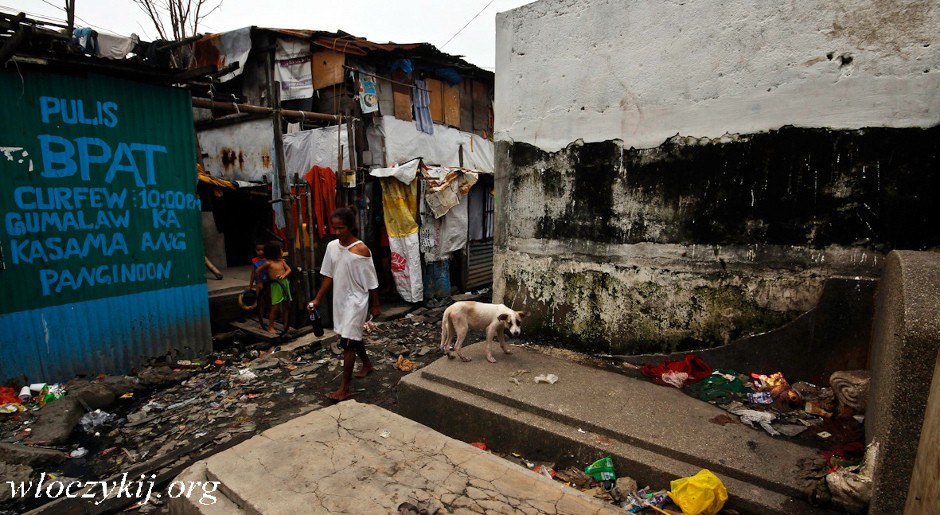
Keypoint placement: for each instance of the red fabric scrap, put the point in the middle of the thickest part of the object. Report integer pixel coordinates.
(323, 182)
(692, 365)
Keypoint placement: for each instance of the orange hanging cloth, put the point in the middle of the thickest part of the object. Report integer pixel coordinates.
(323, 182)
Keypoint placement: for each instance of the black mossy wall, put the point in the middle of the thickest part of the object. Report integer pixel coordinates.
(874, 187)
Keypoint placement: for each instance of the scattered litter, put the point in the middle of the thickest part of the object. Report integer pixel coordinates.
(246, 374)
(675, 378)
(702, 494)
(546, 378)
(79, 453)
(760, 398)
(602, 469)
(513, 379)
(405, 365)
(95, 420)
(479, 445)
(824, 434)
(581, 430)
(763, 418)
(385, 434)
(519, 372)
(128, 395)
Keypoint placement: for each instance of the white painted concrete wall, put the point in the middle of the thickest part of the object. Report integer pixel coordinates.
(644, 70)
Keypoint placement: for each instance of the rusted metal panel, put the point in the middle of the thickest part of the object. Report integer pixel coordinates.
(101, 232)
(239, 152)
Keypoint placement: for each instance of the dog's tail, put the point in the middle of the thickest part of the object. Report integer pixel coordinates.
(446, 330)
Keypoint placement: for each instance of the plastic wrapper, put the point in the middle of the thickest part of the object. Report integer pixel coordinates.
(602, 469)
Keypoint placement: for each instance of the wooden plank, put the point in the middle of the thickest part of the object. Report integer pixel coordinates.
(451, 105)
(327, 68)
(436, 92)
(466, 106)
(481, 108)
(401, 95)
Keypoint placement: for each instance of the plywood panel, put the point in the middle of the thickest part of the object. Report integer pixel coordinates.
(481, 107)
(436, 92)
(327, 68)
(451, 105)
(466, 106)
(402, 96)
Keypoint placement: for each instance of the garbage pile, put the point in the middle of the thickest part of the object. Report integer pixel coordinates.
(701, 494)
(829, 418)
(188, 409)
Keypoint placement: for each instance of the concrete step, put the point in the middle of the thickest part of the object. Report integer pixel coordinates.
(654, 433)
(359, 458)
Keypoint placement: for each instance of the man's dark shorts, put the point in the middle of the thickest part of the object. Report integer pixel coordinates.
(349, 345)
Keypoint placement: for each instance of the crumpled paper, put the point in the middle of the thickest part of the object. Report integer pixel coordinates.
(546, 378)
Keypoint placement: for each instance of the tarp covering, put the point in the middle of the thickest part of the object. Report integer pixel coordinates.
(293, 68)
(405, 173)
(403, 142)
(315, 147)
(224, 49)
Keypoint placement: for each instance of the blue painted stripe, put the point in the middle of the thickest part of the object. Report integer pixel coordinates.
(109, 335)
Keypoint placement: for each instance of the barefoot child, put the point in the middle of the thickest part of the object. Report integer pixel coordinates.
(347, 267)
(277, 271)
(258, 281)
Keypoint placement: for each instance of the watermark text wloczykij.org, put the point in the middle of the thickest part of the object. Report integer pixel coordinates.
(99, 491)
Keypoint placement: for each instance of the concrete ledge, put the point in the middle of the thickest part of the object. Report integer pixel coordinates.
(336, 460)
(904, 350)
(655, 434)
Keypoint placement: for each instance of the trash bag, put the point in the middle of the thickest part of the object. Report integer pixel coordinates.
(701, 494)
(96, 420)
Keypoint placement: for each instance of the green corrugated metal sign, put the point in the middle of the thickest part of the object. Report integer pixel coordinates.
(97, 189)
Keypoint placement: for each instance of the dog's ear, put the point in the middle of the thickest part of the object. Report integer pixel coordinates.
(523, 314)
(503, 317)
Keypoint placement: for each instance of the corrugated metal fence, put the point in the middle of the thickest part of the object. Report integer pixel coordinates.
(102, 254)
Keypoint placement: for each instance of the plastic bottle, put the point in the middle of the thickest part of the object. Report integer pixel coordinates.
(315, 321)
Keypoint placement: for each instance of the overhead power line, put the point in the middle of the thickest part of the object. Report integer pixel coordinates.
(468, 23)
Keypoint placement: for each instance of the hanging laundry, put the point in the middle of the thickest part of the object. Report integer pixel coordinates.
(87, 40)
(422, 106)
(323, 190)
(400, 205)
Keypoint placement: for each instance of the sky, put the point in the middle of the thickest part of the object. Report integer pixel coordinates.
(401, 21)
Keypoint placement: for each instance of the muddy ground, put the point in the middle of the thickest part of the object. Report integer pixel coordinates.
(173, 414)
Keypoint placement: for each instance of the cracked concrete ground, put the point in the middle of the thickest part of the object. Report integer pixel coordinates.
(359, 458)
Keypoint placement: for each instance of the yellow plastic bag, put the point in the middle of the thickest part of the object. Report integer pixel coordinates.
(701, 494)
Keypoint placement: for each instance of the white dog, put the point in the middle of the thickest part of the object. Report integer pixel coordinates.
(494, 318)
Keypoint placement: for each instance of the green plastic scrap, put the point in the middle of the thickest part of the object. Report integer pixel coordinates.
(601, 469)
(722, 384)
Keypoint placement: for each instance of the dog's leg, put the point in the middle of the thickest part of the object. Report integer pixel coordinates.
(460, 327)
(502, 343)
(490, 330)
(446, 329)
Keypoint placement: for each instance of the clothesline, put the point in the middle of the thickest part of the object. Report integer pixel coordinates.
(375, 76)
